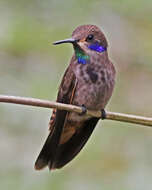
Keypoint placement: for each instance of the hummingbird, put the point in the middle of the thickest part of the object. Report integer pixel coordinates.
(88, 82)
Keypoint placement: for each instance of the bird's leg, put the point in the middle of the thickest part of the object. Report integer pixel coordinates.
(103, 114)
(84, 110)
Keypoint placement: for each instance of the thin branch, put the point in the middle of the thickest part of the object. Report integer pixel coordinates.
(72, 108)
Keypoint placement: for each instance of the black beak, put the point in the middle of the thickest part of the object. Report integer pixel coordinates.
(70, 40)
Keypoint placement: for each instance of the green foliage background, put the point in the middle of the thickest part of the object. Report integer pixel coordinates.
(118, 155)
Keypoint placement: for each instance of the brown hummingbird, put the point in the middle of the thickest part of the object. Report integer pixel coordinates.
(88, 82)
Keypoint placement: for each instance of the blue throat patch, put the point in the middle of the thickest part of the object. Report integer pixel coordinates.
(83, 58)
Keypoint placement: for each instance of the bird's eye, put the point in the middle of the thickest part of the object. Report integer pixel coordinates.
(89, 37)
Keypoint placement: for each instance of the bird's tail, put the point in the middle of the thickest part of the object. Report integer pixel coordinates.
(56, 154)
(49, 149)
(67, 151)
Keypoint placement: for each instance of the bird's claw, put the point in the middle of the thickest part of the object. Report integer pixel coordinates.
(103, 114)
(84, 110)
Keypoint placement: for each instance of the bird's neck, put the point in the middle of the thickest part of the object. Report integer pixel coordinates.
(81, 56)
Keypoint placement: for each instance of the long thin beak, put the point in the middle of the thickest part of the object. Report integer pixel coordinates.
(70, 40)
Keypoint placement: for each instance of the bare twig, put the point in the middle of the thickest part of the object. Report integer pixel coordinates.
(72, 108)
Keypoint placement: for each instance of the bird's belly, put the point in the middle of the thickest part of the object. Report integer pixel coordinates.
(92, 97)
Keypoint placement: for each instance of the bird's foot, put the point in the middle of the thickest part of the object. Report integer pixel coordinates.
(84, 110)
(103, 114)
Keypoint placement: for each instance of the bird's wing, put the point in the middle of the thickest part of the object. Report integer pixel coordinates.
(65, 95)
(73, 137)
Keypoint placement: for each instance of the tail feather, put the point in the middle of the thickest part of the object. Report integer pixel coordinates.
(44, 156)
(66, 152)
(56, 155)
(49, 149)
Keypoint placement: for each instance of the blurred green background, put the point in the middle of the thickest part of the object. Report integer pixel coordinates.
(118, 155)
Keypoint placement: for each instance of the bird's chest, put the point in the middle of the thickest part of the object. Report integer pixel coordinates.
(92, 85)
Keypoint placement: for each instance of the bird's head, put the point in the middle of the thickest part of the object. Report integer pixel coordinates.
(85, 39)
